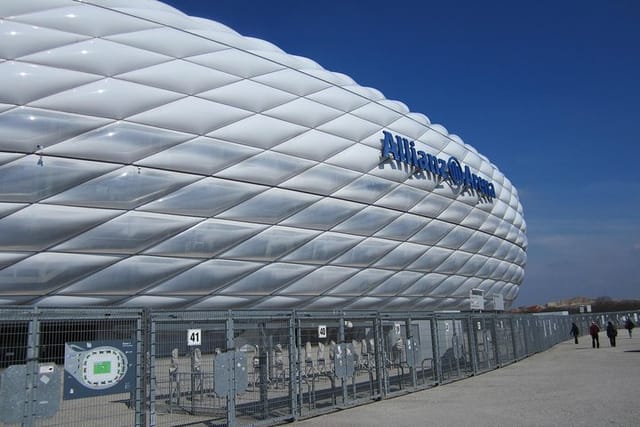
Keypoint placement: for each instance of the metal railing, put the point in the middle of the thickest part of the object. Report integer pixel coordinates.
(65, 367)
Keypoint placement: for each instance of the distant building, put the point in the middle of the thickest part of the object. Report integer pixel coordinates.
(148, 158)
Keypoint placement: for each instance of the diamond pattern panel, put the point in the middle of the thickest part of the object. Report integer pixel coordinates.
(152, 159)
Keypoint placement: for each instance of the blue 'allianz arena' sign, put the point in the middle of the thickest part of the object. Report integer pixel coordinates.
(403, 150)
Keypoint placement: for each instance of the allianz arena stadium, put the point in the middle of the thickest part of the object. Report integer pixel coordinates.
(152, 159)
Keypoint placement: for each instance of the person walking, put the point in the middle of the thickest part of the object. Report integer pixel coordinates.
(594, 329)
(575, 332)
(612, 332)
(629, 325)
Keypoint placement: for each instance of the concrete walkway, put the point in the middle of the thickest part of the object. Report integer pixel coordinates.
(569, 385)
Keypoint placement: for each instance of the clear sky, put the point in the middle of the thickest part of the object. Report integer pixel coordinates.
(549, 91)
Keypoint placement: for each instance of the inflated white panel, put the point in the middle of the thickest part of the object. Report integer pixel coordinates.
(96, 56)
(112, 98)
(31, 82)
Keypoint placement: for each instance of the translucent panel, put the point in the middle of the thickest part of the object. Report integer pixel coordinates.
(425, 285)
(357, 157)
(319, 281)
(268, 279)
(25, 129)
(425, 303)
(456, 237)
(40, 226)
(222, 302)
(361, 282)
(153, 302)
(449, 285)
(267, 168)
(192, 115)
(279, 302)
(401, 256)
(205, 278)
(248, 95)
(325, 303)
(456, 212)
(398, 303)
(475, 242)
(350, 127)
(491, 246)
(292, 81)
(323, 248)
(201, 155)
(396, 284)
(9, 157)
(365, 303)
(67, 301)
(432, 206)
(272, 206)
(206, 239)
(473, 265)
(324, 214)
(45, 272)
(124, 188)
(8, 258)
(18, 39)
(96, 56)
(164, 76)
(108, 98)
(475, 219)
(453, 263)
(119, 142)
(304, 112)
(402, 228)
(488, 268)
(34, 177)
(127, 234)
(129, 276)
(236, 62)
(402, 198)
(432, 232)
(464, 289)
(92, 21)
(339, 98)
(168, 41)
(366, 253)
(206, 197)
(367, 221)
(29, 82)
(431, 259)
(321, 179)
(376, 113)
(271, 244)
(258, 131)
(313, 145)
(366, 189)
(7, 208)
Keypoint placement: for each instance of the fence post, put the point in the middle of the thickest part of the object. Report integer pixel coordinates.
(435, 343)
(380, 369)
(293, 396)
(494, 336)
(141, 370)
(31, 383)
(411, 348)
(231, 398)
(474, 345)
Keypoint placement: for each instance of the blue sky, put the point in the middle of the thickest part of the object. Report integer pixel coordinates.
(548, 90)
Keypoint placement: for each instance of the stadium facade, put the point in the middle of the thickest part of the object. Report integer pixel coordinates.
(149, 158)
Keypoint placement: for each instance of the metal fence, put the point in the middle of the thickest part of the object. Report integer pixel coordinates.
(113, 367)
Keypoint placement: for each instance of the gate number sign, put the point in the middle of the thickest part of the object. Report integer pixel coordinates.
(194, 337)
(322, 331)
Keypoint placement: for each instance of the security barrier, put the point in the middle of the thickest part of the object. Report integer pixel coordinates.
(135, 367)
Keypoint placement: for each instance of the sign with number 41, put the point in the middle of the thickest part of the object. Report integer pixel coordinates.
(194, 337)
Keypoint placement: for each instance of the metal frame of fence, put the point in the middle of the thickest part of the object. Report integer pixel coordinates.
(161, 368)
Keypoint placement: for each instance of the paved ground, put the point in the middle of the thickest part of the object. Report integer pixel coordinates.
(569, 385)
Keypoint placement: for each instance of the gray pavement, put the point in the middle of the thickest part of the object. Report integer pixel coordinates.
(569, 385)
